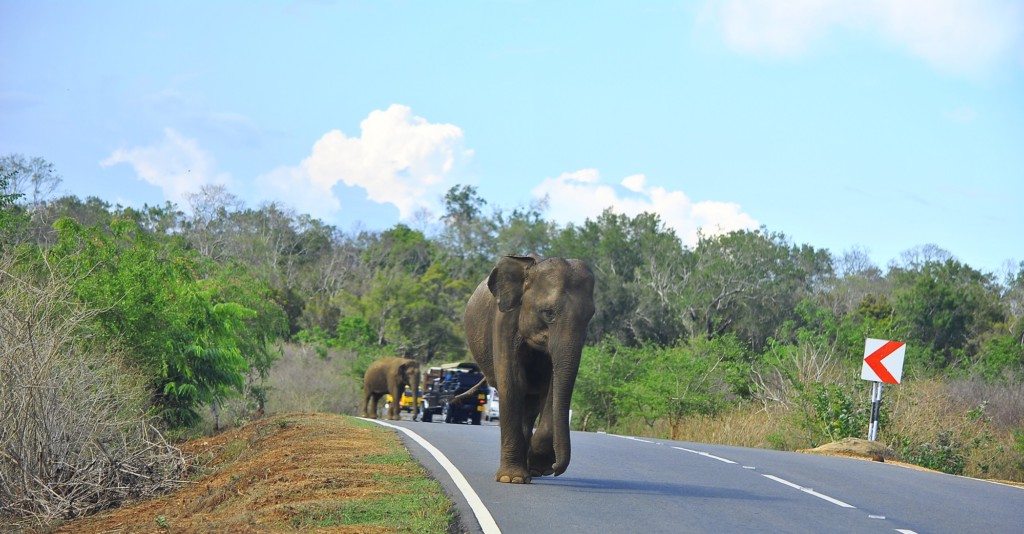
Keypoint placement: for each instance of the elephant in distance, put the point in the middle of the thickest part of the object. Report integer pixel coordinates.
(391, 375)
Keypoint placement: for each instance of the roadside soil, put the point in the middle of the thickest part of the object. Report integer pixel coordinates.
(874, 451)
(263, 477)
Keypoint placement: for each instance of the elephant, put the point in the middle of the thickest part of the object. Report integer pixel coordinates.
(391, 375)
(525, 326)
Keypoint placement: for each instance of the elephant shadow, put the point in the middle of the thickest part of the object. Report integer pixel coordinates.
(643, 487)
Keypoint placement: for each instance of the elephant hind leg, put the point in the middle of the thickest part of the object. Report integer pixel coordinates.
(373, 406)
(366, 404)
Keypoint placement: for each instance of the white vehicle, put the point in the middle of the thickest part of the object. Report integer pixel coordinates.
(491, 411)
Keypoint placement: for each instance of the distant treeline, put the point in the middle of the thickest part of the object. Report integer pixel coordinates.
(198, 295)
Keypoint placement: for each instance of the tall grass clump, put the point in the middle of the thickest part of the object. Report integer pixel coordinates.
(74, 435)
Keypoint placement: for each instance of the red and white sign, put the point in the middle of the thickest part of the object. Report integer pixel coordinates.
(883, 360)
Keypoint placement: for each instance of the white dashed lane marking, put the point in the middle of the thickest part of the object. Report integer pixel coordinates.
(808, 491)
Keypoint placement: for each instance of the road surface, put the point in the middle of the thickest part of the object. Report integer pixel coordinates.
(622, 484)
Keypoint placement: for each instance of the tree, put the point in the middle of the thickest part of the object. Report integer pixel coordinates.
(32, 179)
(855, 279)
(748, 283)
(657, 281)
(636, 263)
(153, 301)
(256, 335)
(524, 231)
(468, 236)
(210, 228)
(418, 317)
(7, 202)
(944, 307)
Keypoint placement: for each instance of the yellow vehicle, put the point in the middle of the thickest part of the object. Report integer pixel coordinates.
(406, 402)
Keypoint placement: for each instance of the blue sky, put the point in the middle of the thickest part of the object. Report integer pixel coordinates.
(876, 125)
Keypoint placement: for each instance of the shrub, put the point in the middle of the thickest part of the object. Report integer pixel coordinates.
(73, 436)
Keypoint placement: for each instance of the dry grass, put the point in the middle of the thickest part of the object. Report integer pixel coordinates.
(940, 417)
(284, 473)
(73, 435)
(304, 381)
(948, 418)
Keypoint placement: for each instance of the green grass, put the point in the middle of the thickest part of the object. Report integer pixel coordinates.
(414, 502)
(416, 505)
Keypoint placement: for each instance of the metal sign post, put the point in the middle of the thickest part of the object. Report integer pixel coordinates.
(883, 362)
(876, 409)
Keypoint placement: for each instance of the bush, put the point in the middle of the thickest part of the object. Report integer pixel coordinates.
(831, 412)
(944, 453)
(73, 436)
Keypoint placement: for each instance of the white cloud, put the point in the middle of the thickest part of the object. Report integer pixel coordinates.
(577, 196)
(634, 183)
(956, 35)
(399, 159)
(177, 165)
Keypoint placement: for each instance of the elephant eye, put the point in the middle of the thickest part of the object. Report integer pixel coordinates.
(548, 315)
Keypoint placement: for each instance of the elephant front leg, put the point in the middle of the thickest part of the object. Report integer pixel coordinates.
(513, 468)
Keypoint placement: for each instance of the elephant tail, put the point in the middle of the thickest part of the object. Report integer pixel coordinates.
(467, 394)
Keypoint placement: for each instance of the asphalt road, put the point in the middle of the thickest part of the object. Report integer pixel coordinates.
(621, 484)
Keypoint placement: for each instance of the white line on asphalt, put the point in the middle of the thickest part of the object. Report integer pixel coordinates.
(810, 491)
(702, 453)
(905, 531)
(631, 438)
(483, 516)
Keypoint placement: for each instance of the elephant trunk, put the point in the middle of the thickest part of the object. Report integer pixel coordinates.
(566, 364)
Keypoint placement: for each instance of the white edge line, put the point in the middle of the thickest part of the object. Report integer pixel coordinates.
(630, 438)
(836, 502)
(702, 453)
(905, 531)
(483, 516)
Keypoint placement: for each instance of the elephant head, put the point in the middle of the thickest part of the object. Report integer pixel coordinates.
(525, 326)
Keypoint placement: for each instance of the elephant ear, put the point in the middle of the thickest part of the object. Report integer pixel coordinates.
(507, 279)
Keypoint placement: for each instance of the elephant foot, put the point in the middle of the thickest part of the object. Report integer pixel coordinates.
(512, 476)
(540, 473)
(542, 464)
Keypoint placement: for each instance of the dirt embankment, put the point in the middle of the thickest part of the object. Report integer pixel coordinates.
(266, 476)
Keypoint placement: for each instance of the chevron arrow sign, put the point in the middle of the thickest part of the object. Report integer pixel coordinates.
(883, 360)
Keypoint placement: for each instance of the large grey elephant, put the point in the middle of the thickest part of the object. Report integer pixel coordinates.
(391, 375)
(525, 326)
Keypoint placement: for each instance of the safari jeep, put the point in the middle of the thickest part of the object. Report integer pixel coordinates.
(440, 391)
